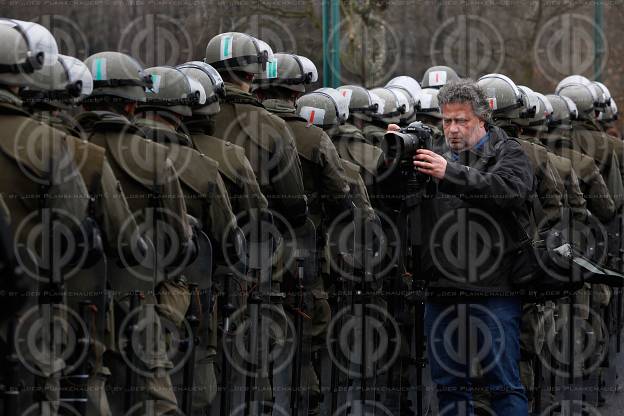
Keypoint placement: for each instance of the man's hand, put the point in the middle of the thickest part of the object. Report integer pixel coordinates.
(430, 163)
(393, 127)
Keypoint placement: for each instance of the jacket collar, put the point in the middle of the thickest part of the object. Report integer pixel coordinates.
(283, 109)
(11, 103)
(199, 125)
(47, 117)
(61, 121)
(161, 132)
(376, 122)
(351, 132)
(586, 124)
(235, 95)
(553, 140)
(92, 121)
(279, 106)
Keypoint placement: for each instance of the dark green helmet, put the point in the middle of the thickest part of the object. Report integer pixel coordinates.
(293, 72)
(212, 83)
(58, 85)
(395, 106)
(428, 104)
(564, 110)
(610, 114)
(538, 112)
(504, 97)
(235, 51)
(438, 76)
(409, 87)
(604, 96)
(363, 103)
(584, 97)
(173, 91)
(117, 75)
(325, 108)
(572, 80)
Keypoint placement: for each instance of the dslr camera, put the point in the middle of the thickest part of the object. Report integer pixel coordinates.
(400, 148)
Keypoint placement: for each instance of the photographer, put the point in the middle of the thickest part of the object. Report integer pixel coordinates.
(474, 219)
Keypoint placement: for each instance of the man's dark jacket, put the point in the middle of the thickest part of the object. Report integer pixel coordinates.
(477, 218)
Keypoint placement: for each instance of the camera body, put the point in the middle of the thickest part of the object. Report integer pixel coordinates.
(399, 151)
(402, 146)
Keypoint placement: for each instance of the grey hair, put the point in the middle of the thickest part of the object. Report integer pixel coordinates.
(466, 91)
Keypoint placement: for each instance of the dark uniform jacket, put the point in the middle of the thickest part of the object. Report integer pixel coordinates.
(477, 217)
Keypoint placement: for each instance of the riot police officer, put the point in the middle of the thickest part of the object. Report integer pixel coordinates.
(588, 138)
(41, 190)
(271, 150)
(57, 89)
(327, 192)
(557, 139)
(428, 112)
(509, 105)
(150, 181)
(397, 109)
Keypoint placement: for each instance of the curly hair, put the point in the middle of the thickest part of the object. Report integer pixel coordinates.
(466, 91)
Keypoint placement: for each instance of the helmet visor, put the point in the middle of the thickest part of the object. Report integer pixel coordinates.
(78, 71)
(342, 102)
(406, 83)
(308, 68)
(39, 39)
